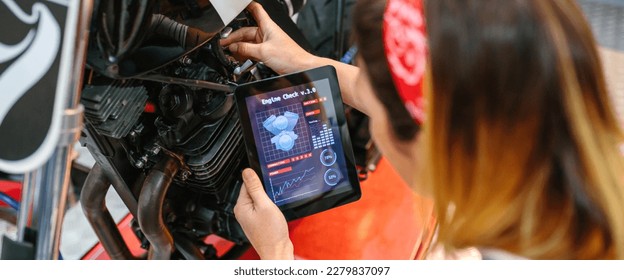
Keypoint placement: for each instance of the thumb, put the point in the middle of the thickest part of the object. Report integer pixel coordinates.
(247, 50)
(244, 200)
(254, 187)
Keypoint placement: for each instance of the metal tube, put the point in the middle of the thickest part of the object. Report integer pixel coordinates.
(33, 223)
(84, 14)
(150, 209)
(93, 201)
(52, 196)
(29, 184)
(187, 248)
(52, 200)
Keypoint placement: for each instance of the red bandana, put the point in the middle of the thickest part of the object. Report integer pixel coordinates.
(406, 49)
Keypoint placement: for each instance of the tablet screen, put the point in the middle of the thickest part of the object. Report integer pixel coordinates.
(297, 140)
(297, 137)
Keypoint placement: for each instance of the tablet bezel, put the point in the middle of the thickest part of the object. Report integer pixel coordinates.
(333, 198)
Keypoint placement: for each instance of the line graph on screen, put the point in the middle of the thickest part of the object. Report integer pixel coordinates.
(289, 186)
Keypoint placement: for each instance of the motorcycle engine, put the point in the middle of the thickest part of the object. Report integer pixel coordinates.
(161, 122)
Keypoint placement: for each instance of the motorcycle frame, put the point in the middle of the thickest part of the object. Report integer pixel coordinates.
(45, 189)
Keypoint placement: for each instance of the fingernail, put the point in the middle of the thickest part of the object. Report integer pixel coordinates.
(248, 174)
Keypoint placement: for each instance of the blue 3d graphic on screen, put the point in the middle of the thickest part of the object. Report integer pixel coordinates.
(294, 132)
(282, 127)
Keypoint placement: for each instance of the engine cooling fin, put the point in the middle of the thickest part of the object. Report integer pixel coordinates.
(114, 109)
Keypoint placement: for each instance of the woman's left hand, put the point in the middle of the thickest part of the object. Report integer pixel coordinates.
(262, 221)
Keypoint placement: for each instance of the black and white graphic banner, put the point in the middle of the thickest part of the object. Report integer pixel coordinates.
(36, 52)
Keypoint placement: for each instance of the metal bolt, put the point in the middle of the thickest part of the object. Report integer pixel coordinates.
(155, 150)
(139, 164)
(186, 60)
(185, 175)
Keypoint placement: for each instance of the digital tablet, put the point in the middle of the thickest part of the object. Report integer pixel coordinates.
(298, 142)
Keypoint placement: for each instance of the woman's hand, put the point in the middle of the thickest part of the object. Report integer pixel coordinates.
(269, 44)
(262, 221)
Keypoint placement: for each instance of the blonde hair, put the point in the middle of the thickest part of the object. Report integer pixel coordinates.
(521, 143)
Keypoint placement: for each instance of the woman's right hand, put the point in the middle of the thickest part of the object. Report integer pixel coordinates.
(268, 44)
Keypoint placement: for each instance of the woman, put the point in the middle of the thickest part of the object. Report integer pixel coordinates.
(520, 145)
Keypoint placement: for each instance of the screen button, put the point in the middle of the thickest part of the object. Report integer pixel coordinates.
(328, 157)
(332, 177)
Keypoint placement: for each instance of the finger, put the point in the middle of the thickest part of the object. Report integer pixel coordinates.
(260, 15)
(254, 187)
(243, 197)
(245, 34)
(246, 50)
(243, 203)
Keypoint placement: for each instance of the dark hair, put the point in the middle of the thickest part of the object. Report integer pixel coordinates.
(368, 26)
